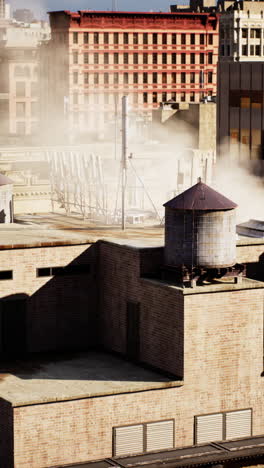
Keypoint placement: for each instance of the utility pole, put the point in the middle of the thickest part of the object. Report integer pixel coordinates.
(124, 157)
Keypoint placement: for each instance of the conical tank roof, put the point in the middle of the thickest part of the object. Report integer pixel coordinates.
(4, 180)
(200, 197)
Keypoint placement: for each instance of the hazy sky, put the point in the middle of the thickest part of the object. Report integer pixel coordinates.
(40, 6)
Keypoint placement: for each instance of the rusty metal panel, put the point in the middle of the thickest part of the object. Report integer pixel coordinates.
(160, 435)
(209, 428)
(128, 440)
(238, 424)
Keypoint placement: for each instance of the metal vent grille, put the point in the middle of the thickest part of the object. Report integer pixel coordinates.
(209, 428)
(160, 435)
(238, 424)
(128, 440)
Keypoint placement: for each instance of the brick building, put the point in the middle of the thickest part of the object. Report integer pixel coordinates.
(96, 57)
(193, 367)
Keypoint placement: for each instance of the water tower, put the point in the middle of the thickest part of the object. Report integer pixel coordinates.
(200, 234)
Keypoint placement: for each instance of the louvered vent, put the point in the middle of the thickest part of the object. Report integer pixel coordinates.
(160, 435)
(128, 440)
(238, 424)
(209, 428)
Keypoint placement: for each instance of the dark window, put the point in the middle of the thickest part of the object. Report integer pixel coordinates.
(257, 49)
(155, 59)
(228, 50)
(173, 78)
(244, 49)
(145, 58)
(145, 98)
(96, 58)
(202, 59)
(210, 39)
(155, 38)
(164, 38)
(106, 58)
(244, 32)
(106, 78)
(6, 275)
(116, 78)
(202, 39)
(116, 58)
(135, 78)
(192, 96)
(223, 50)
(135, 59)
(183, 39)
(210, 58)
(86, 37)
(192, 58)
(68, 270)
(126, 58)
(96, 38)
(183, 97)
(135, 38)
(86, 57)
(164, 78)
(164, 97)
(145, 78)
(75, 57)
(164, 59)
(116, 38)
(183, 77)
(173, 58)
(155, 78)
(125, 78)
(192, 39)
(86, 78)
(145, 38)
(252, 50)
(75, 38)
(210, 77)
(174, 38)
(106, 38)
(125, 38)
(183, 59)
(154, 98)
(192, 77)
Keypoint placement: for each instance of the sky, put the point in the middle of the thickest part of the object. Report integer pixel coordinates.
(41, 6)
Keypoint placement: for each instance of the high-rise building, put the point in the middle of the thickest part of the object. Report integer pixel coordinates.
(96, 57)
(2, 9)
(241, 30)
(24, 15)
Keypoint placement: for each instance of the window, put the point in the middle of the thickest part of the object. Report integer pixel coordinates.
(135, 78)
(86, 78)
(183, 97)
(6, 275)
(192, 58)
(173, 96)
(145, 78)
(145, 38)
(252, 50)
(155, 38)
(96, 38)
(85, 37)
(244, 49)
(202, 59)
(20, 89)
(173, 78)
(183, 59)
(154, 98)
(68, 270)
(145, 58)
(116, 78)
(244, 32)
(192, 97)
(255, 33)
(126, 61)
(257, 49)
(192, 39)
(143, 438)
(173, 58)
(164, 78)
(155, 59)
(116, 58)
(201, 39)
(145, 98)
(183, 77)
(135, 59)
(223, 426)
(85, 57)
(116, 38)
(155, 78)
(125, 38)
(106, 38)
(96, 58)
(96, 78)
(75, 37)
(20, 109)
(75, 57)
(210, 77)
(228, 50)
(210, 58)
(183, 39)
(164, 38)
(126, 78)
(75, 77)
(135, 38)
(106, 58)
(164, 97)
(210, 39)
(106, 79)
(164, 59)
(174, 39)
(192, 77)
(223, 50)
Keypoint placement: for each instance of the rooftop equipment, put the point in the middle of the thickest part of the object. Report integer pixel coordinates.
(200, 234)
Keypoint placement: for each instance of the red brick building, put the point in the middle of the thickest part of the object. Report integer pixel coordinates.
(96, 57)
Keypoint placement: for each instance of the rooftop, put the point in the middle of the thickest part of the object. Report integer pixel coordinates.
(57, 377)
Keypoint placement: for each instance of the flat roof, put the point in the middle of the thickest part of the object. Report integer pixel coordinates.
(57, 377)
